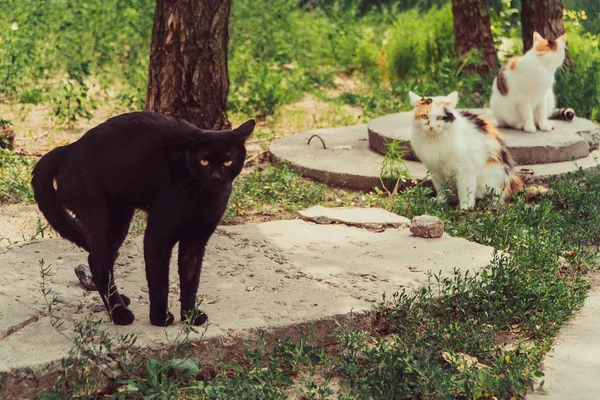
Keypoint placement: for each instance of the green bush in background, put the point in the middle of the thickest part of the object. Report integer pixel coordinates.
(56, 52)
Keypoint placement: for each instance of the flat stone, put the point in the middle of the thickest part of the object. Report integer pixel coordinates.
(562, 144)
(427, 226)
(300, 273)
(348, 161)
(572, 368)
(371, 218)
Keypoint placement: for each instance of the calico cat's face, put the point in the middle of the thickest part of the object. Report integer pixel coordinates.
(433, 114)
(219, 156)
(550, 51)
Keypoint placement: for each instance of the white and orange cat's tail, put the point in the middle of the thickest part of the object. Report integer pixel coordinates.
(514, 186)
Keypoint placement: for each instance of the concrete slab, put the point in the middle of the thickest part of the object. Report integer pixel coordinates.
(370, 218)
(572, 368)
(255, 276)
(348, 161)
(562, 144)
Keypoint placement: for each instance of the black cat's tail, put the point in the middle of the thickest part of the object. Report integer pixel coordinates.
(45, 195)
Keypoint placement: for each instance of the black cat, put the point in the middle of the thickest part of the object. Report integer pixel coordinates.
(179, 174)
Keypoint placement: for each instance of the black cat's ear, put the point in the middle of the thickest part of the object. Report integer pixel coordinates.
(246, 128)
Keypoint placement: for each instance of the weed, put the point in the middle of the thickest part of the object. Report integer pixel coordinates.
(15, 174)
(393, 166)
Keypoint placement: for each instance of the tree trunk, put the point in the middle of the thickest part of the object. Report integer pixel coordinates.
(543, 16)
(472, 29)
(188, 76)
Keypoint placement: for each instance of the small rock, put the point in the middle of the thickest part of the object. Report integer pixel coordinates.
(85, 277)
(64, 299)
(249, 288)
(321, 220)
(427, 226)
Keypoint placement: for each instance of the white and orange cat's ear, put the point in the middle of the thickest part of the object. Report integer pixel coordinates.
(537, 37)
(563, 38)
(414, 98)
(453, 99)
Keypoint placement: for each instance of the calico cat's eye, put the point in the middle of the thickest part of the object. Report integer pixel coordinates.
(424, 117)
(227, 163)
(440, 118)
(204, 162)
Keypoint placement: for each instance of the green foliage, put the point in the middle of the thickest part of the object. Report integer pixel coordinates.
(418, 41)
(49, 50)
(578, 86)
(15, 174)
(71, 101)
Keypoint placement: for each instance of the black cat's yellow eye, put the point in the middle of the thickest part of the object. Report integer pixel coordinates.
(440, 118)
(227, 163)
(424, 117)
(204, 162)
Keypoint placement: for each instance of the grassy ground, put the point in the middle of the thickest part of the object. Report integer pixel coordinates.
(470, 336)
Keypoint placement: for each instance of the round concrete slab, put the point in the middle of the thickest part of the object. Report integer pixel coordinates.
(348, 162)
(562, 144)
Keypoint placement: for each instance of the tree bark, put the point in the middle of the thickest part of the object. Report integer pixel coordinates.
(472, 29)
(543, 16)
(188, 75)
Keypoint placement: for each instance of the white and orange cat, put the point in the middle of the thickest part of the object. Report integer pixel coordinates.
(461, 150)
(522, 96)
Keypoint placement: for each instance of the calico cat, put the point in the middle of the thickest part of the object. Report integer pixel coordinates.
(461, 149)
(522, 96)
(180, 175)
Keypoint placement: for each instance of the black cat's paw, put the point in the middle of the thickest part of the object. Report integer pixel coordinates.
(122, 316)
(162, 319)
(196, 316)
(125, 300)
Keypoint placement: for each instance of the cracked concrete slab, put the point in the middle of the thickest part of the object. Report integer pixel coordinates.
(264, 276)
(371, 218)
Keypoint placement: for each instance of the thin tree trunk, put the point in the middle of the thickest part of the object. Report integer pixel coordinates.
(188, 75)
(543, 16)
(472, 30)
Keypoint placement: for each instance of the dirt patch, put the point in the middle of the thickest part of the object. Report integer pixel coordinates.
(22, 223)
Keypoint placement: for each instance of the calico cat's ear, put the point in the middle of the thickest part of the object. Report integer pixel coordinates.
(246, 128)
(563, 38)
(414, 98)
(537, 37)
(453, 99)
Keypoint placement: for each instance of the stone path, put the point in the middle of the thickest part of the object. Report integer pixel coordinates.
(352, 157)
(572, 368)
(266, 276)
